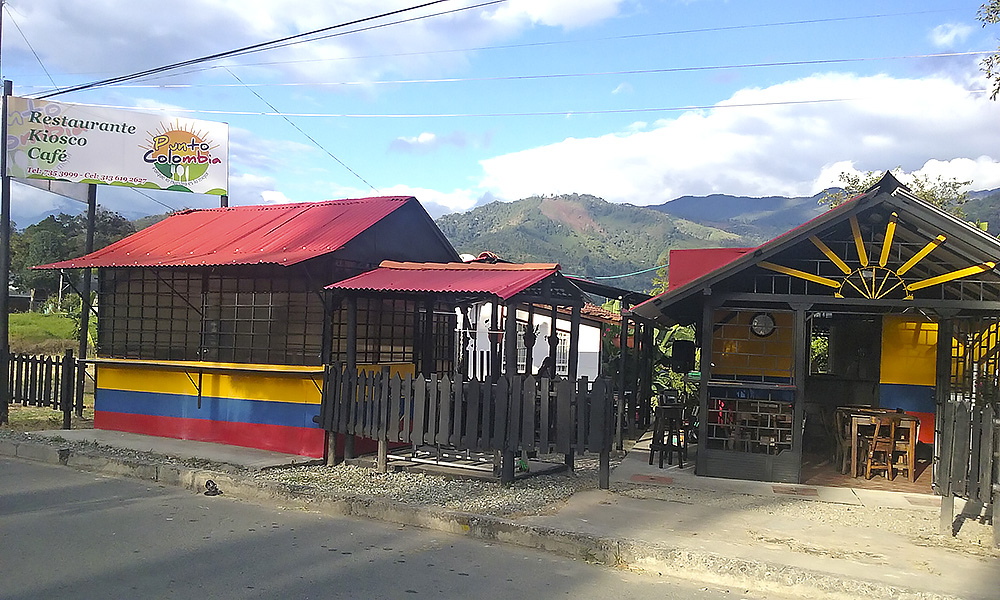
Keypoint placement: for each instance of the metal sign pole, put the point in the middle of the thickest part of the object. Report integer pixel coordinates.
(8, 90)
(81, 371)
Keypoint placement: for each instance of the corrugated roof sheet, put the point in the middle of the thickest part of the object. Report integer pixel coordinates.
(283, 234)
(502, 279)
(688, 264)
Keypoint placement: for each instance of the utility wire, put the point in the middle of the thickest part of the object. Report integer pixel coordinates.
(219, 55)
(656, 268)
(309, 137)
(514, 114)
(547, 43)
(27, 43)
(788, 63)
(613, 38)
(163, 204)
(371, 27)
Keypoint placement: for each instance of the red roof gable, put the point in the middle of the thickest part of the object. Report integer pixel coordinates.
(283, 234)
(686, 265)
(501, 279)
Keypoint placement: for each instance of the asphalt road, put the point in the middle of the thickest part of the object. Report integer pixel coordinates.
(66, 534)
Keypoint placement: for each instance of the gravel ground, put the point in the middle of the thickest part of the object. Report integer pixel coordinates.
(529, 496)
(545, 494)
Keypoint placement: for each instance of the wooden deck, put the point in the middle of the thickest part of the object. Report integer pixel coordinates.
(819, 470)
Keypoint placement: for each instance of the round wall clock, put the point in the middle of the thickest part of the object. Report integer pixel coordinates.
(762, 324)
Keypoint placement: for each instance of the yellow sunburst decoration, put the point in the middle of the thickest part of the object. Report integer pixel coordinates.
(875, 281)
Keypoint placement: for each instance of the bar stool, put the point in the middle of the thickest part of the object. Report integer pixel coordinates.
(668, 438)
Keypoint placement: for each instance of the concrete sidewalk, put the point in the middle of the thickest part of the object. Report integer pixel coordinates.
(807, 540)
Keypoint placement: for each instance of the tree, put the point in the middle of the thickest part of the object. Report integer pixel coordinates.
(946, 194)
(58, 238)
(989, 14)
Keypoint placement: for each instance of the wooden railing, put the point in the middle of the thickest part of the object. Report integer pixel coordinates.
(967, 463)
(46, 381)
(510, 415)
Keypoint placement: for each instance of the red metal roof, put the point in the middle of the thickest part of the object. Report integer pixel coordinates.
(283, 234)
(501, 279)
(688, 264)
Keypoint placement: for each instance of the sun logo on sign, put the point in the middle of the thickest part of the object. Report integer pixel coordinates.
(179, 154)
(876, 280)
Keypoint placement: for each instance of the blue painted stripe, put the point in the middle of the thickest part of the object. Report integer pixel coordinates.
(234, 410)
(908, 397)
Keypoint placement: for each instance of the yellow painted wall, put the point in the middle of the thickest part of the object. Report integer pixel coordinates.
(258, 385)
(909, 351)
(738, 352)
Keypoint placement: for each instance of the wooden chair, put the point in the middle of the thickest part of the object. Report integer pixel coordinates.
(881, 446)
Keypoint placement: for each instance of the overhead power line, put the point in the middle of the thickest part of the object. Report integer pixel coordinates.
(612, 38)
(787, 63)
(568, 112)
(244, 49)
(308, 137)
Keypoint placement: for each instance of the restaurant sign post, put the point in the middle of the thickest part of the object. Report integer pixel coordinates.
(49, 144)
(98, 145)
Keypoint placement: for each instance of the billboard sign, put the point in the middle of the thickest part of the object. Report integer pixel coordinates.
(110, 146)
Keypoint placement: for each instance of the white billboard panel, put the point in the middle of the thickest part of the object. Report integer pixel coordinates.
(93, 144)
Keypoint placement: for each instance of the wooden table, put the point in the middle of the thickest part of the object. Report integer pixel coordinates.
(862, 416)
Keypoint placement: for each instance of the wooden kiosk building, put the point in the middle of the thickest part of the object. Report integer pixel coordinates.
(904, 296)
(213, 325)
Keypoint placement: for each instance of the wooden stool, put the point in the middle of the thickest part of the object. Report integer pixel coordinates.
(668, 438)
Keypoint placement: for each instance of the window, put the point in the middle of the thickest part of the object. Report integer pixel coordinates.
(181, 314)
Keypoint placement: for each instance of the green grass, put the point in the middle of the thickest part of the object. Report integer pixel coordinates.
(37, 333)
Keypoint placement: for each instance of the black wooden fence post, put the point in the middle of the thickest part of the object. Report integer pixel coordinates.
(66, 395)
(994, 473)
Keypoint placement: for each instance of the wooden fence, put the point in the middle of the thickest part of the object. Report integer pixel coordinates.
(513, 414)
(968, 459)
(46, 381)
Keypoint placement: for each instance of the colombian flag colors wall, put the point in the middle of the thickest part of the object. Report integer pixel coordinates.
(256, 406)
(907, 373)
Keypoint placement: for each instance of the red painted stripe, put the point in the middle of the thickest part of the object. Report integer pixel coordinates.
(278, 438)
(926, 434)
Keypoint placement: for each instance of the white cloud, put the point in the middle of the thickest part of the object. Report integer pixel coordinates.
(428, 142)
(757, 144)
(434, 202)
(247, 188)
(568, 14)
(947, 35)
(622, 88)
(75, 36)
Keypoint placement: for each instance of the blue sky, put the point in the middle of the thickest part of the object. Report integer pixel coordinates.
(635, 101)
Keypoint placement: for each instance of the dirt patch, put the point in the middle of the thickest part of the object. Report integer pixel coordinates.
(572, 215)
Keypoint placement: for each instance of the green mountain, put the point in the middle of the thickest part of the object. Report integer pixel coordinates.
(757, 220)
(588, 236)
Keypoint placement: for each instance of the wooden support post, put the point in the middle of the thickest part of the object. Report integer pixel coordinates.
(382, 463)
(529, 342)
(620, 380)
(574, 363)
(352, 366)
(331, 448)
(510, 340)
(66, 393)
(507, 467)
(706, 333)
(946, 522)
(607, 436)
(800, 368)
